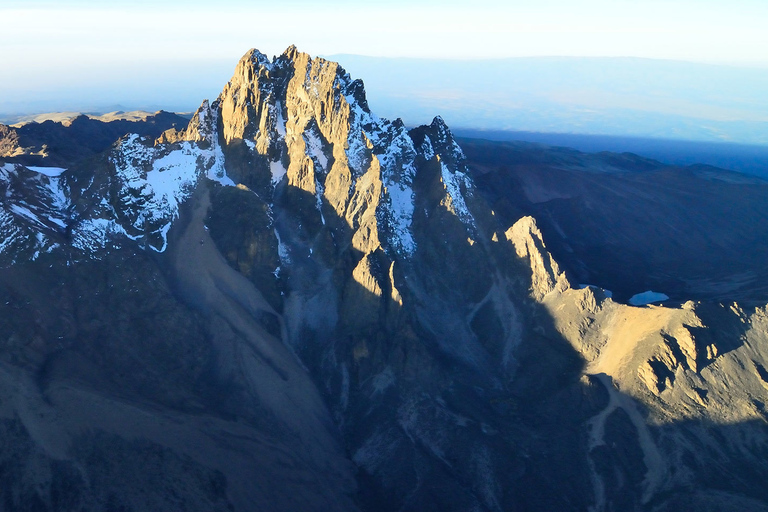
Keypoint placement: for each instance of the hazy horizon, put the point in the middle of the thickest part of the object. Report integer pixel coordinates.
(681, 69)
(626, 97)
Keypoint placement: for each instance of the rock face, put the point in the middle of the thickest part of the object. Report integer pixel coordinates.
(292, 304)
(546, 276)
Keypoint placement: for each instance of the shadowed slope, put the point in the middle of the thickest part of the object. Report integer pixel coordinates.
(630, 224)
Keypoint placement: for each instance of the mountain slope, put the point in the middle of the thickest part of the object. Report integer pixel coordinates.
(631, 224)
(64, 143)
(292, 304)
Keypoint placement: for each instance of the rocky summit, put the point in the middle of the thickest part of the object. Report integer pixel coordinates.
(293, 304)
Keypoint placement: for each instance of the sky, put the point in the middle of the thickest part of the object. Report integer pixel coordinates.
(76, 33)
(61, 55)
(596, 95)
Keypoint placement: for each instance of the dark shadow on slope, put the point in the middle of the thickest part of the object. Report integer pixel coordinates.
(123, 330)
(706, 466)
(630, 224)
(415, 410)
(56, 144)
(724, 333)
(425, 420)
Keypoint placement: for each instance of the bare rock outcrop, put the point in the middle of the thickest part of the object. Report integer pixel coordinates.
(546, 276)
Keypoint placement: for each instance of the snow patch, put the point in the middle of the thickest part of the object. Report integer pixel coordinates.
(217, 172)
(280, 123)
(58, 222)
(59, 199)
(282, 250)
(314, 149)
(9, 230)
(319, 200)
(383, 380)
(171, 177)
(453, 182)
(215, 155)
(427, 149)
(94, 234)
(26, 213)
(154, 187)
(35, 205)
(152, 197)
(397, 169)
(358, 153)
(51, 172)
(401, 209)
(278, 171)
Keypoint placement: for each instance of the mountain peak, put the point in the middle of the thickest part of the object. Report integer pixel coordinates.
(291, 52)
(257, 58)
(546, 276)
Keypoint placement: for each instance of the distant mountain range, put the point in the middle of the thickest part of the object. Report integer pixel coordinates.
(749, 159)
